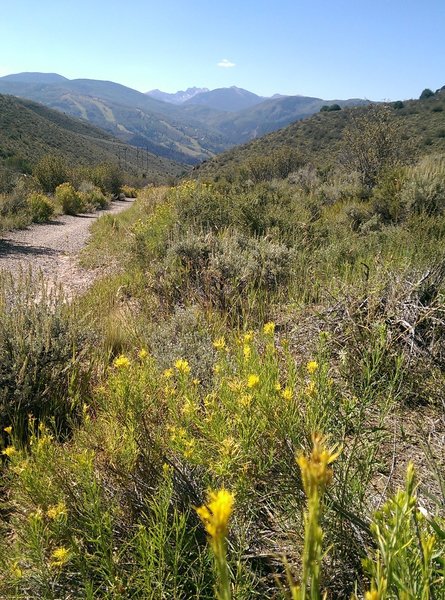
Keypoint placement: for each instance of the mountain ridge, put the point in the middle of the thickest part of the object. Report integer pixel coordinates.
(196, 130)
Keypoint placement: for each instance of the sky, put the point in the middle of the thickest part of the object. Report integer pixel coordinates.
(336, 49)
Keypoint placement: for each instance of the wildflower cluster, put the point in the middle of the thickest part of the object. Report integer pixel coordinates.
(121, 362)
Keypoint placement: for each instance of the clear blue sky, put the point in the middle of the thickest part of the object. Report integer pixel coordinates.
(376, 49)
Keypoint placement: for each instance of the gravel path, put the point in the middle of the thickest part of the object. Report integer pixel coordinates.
(53, 249)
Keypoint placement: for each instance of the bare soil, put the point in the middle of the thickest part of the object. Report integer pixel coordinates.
(53, 249)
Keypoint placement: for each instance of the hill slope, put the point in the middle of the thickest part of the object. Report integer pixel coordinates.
(318, 138)
(29, 130)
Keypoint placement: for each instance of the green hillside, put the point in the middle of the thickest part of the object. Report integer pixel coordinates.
(317, 139)
(29, 131)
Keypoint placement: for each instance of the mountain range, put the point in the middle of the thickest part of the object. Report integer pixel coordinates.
(190, 127)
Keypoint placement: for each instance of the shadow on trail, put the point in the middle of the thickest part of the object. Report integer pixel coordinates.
(8, 247)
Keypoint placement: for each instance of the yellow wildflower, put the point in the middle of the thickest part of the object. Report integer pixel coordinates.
(60, 556)
(36, 516)
(8, 430)
(269, 328)
(9, 451)
(217, 369)
(277, 386)
(287, 393)
(56, 511)
(16, 571)
(235, 384)
(248, 337)
(252, 381)
(209, 400)
(169, 390)
(220, 343)
(196, 381)
(312, 366)
(315, 469)
(216, 513)
(121, 362)
(247, 350)
(168, 373)
(143, 353)
(182, 366)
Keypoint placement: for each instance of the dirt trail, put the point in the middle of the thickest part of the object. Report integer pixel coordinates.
(54, 249)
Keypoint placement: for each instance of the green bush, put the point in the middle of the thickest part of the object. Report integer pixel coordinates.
(108, 178)
(92, 197)
(230, 272)
(427, 93)
(51, 171)
(70, 200)
(129, 192)
(41, 207)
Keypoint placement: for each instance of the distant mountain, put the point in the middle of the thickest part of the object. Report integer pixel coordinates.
(231, 99)
(29, 130)
(178, 97)
(35, 78)
(190, 132)
(270, 115)
(132, 116)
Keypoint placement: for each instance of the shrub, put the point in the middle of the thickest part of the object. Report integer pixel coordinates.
(92, 197)
(51, 171)
(201, 206)
(330, 107)
(108, 178)
(129, 192)
(41, 207)
(372, 143)
(231, 272)
(70, 200)
(427, 93)
(184, 335)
